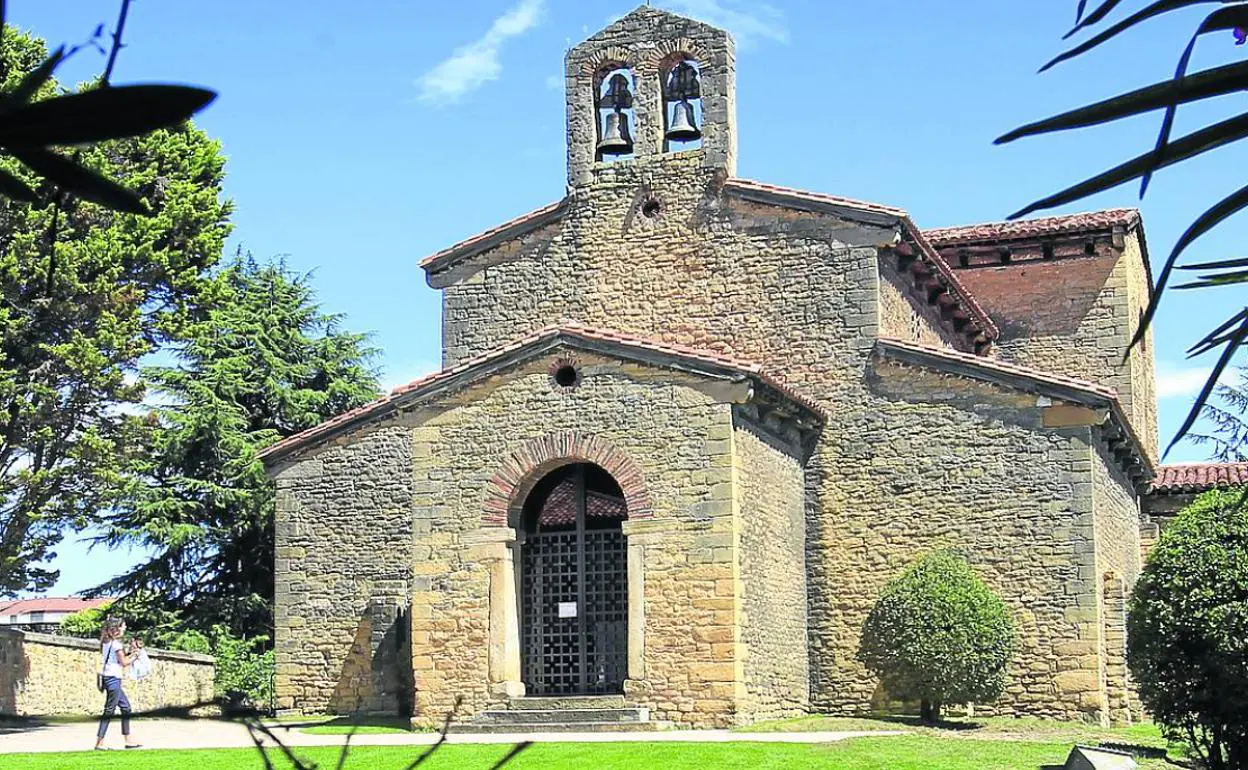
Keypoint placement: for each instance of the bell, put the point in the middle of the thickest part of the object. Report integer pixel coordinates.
(615, 139)
(683, 128)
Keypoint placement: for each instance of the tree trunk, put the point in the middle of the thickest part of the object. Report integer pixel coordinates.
(929, 712)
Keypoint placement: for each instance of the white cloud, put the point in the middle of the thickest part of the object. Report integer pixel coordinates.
(1177, 381)
(477, 63)
(554, 82)
(409, 372)
(749, 23)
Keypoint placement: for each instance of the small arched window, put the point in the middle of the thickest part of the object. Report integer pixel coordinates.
(682, 106)
(614, 114)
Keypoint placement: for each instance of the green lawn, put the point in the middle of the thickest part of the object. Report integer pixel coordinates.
(978, 728)
(347, 727)
(919, 752)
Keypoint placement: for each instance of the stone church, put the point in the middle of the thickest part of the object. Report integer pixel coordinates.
(688, 425)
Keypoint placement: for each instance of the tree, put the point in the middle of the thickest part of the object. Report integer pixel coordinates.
(1228, 439)
(85, 293)
(264, 363)
(1187, 629)
(939, 634)
(1168, 95)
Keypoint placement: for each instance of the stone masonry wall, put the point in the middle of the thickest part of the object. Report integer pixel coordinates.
(785, 288)
(772, 511)
(42, 675)
(343, 531)
(1142, 404)
(800, 292)
(901, 318)
(672, 426)
(973, 470)
(1118, 565)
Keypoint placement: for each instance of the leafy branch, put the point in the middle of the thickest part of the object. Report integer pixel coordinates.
(1167, 95)
(29, 130)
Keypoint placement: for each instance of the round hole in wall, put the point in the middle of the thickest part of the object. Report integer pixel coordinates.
(566, 376)
(651, 208)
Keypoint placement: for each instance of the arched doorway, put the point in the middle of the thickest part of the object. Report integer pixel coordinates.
(574, 584)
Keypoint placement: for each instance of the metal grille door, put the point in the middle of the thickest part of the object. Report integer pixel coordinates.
(575, 598)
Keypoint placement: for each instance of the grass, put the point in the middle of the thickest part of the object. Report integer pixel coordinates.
(371, 725)
(979, 728)
(911, 752)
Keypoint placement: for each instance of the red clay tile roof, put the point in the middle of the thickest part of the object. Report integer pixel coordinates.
(560, 506)
(1004, 367)
(1198, 477)
(509, 229)
(736, 184)
(1023, 229)
(50, 604)
(569, 331)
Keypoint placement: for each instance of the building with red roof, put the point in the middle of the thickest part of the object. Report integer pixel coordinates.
(44, 613)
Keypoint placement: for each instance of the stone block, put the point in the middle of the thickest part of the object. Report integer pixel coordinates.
(711, 672)
(1077, 681)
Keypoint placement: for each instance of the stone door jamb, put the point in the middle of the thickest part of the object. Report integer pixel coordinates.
(499, 544)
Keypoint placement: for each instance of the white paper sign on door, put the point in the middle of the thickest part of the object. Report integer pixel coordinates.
(567, 609)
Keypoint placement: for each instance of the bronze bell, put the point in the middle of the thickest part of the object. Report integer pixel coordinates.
(616, 140)
(683, 128)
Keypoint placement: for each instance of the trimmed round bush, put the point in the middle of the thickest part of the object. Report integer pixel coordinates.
(939, 635)
(1187, 629)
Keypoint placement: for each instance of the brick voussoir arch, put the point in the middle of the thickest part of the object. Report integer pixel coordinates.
(524, 467)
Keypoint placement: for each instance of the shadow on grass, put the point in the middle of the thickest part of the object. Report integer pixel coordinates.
(914, 721)
(264, 733)
(343, 725)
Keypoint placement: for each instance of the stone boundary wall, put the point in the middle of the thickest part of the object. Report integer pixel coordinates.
(41, 675)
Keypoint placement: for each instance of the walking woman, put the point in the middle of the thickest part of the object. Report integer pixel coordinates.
(117, 657)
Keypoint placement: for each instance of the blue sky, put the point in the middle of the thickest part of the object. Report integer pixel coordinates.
(364, 136)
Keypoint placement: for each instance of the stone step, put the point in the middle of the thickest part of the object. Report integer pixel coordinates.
(556, 716)
(560, 727)
(552, 703)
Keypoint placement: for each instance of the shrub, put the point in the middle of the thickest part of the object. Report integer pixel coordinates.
(938, 634)
(244, 669)
(244, 675)
(1187, 629)
(85, 624)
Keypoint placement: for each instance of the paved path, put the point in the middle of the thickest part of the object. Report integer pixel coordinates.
(214, 733)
